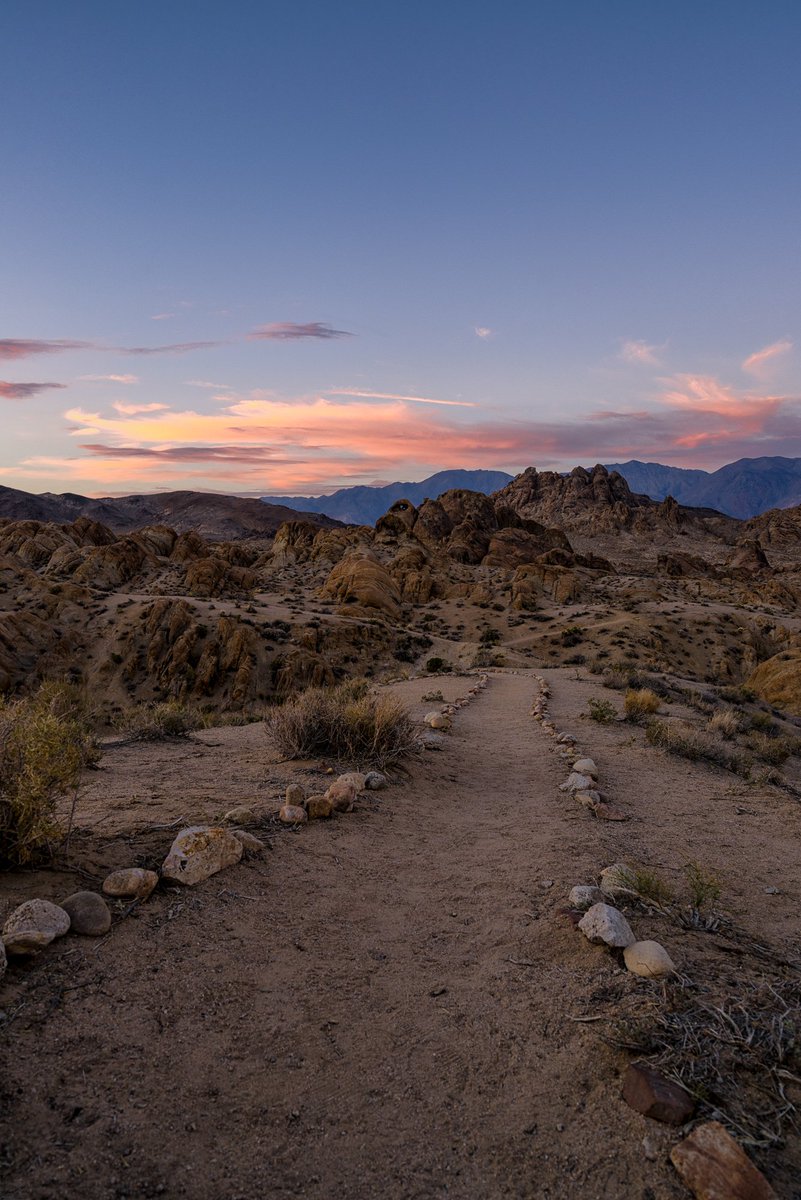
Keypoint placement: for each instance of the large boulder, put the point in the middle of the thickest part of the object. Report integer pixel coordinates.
(360, 580)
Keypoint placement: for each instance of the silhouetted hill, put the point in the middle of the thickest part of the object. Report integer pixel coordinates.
(364, 505)
(211, 515)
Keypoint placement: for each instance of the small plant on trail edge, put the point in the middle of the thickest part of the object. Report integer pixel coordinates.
(155, 722)
(348, 723)
(640, 702)
(602, 711)
(704, 885)
(45, 742)
(648, 886)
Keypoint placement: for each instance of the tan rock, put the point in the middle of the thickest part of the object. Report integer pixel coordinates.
(130, 882)
(295, 795)
(714, 1167)
(437, 721)
(585, 766)
(26, 943)
(199, 852)
(250, 844)
(342, 796)
(240, 816)
(649, 959)
(577, 783)
(292, 814)
(88, 913)
(38, 916)
(358, 780)
(319, 808)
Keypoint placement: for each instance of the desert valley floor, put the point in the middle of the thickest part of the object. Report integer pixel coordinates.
(390, 1003)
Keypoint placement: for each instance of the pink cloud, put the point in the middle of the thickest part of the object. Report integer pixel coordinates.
(640, 353)
(756, 363)
(23, 391)
(109, 378)
(132, 410)
(289, 331)
(13, 348)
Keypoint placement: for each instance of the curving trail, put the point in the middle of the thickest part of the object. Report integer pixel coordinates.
(380, 1008)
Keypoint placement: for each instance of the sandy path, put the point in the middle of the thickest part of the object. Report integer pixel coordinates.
(343, 1019)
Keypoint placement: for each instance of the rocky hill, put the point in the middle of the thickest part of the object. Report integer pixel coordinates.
(741, 489)
(207, 513)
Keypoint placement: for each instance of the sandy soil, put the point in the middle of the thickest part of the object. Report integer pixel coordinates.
(383, 1005)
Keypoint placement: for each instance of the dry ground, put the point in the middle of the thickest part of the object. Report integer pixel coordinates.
(382, 1006)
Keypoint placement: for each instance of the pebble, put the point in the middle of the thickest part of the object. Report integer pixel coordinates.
(603, 923)
(375, 781)
(649, 959)
(292, 814)
(38, 916)
(200, 852)
(88, 913)
(134, 882)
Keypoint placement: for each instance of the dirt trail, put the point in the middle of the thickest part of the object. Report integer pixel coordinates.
(380, 1008)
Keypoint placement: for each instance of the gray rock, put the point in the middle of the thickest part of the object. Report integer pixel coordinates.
(602, 923)
(576, 782)
(88, 912)
(38, 916)
(199, 852)
(585, 766)
(584, 895)
(250, 844)
(295, 795)
(374, 781)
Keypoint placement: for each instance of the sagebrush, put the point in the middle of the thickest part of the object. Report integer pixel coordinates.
(163, 719)
(46, 740)
(348, 723)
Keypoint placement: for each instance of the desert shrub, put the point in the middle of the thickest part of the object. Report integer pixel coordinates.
(45, 742)
(571, 635)
(639, 703)
(763, 722)
(703, 885)
(615, 678)
(684, 740)
(435, 664)
(726, 722)
(649, 886)
(602, 711)
(489, 637)
(347, 722)
(162, 719)
(772, 750)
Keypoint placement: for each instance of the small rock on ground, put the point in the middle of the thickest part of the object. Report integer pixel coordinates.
(647, 1091)
(25, 943)
(244, 815)
(39, 916)
(319, 808)
(135, 883)
(295, 795)
(374, 781)
(292, 814)
(199, 852)
(585, 895)
(714, 1167)
(250, 844)
(88, 912)
(603, 923)
(649, 959)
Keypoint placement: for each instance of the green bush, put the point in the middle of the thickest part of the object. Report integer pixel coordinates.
(602, 711)
(348, 723)
(45, 742)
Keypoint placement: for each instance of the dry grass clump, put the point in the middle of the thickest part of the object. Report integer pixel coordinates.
(45, 742)
(639, 703)
(348, 723)
(726, 722)
(774, 750)
(158, 721)
(736, 1057)
(686, 741)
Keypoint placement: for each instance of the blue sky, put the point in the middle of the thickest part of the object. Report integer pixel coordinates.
(577, 221)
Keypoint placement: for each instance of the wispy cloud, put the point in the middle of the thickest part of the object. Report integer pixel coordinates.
(206, 383)
(186, 454)
(640, 353)
(13, 348)
(483, 332)
(162, 316)
(174, 348)
(23, 391)
(363, 394)
(756, 363)
(132, 410)
(284, 331)
(109, 378)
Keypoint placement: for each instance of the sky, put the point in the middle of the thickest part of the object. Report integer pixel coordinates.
(273, 248)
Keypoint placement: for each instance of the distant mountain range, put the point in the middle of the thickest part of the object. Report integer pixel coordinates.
(208, 513)
(364, 505)
(741, 489)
